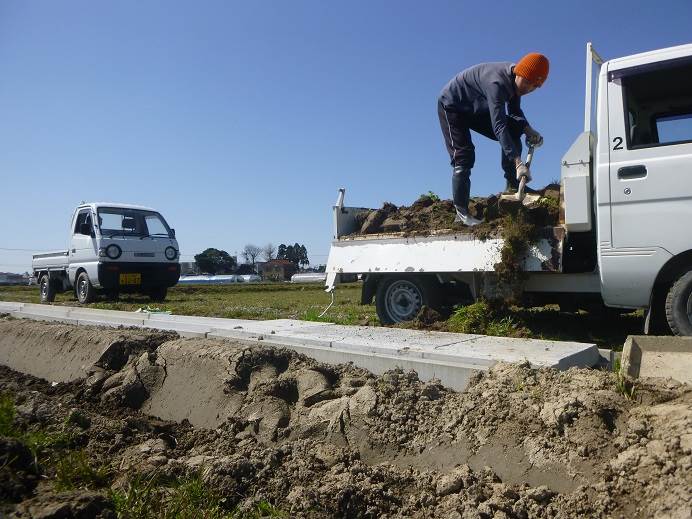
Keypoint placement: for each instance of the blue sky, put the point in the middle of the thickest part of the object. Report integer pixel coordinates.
(240, 120)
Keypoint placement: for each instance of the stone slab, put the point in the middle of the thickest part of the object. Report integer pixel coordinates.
(660, 357)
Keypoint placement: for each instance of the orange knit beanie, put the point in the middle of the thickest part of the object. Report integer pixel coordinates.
(533, 67)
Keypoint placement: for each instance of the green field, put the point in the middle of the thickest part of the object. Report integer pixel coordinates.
(289, 301)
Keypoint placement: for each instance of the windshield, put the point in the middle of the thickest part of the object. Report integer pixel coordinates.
(131, 222)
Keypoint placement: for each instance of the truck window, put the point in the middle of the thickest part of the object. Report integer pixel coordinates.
(131, 222)
(155, 225)
(659, 106)
(122, 222)
(84, 216)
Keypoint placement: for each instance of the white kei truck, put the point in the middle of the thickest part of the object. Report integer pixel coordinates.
(114, 248)
(626, 193)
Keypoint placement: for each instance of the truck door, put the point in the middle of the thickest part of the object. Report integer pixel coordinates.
(83, 246)
(649, 174)
(650, 133)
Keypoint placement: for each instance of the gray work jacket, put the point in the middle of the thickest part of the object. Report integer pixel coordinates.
(487, 87)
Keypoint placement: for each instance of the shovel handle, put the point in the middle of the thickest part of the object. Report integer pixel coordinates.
(529, 156)
(520, 189)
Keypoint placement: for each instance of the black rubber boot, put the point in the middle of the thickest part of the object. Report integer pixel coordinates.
(461, 189)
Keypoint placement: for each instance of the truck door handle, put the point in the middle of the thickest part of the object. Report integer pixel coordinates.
(632, 172)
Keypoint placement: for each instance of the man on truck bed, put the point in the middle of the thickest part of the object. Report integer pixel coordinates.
(475, 100)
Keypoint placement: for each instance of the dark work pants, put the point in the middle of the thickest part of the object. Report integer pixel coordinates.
(456, 129)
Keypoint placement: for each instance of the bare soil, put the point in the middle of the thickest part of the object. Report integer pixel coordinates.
(429, 215)
(336, 441)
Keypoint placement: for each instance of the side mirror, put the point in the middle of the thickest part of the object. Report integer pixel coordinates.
(85, 229)
(173, 232)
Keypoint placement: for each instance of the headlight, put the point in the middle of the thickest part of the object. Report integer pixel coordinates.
(171, 253)
(113, 251)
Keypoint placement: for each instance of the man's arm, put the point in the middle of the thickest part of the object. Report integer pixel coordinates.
(516, 113)
(497, 98)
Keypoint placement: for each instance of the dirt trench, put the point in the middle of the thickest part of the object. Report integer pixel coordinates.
(335, 441)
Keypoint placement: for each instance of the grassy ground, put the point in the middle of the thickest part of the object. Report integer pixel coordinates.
(251, 301)
(288, 301)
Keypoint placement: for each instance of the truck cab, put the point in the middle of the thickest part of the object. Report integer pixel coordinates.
(114, 248)
(643, 185)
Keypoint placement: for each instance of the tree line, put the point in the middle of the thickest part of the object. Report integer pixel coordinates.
(216, 261)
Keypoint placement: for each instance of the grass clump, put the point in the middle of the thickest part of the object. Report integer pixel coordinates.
(623, 384)
(7, 413)
(518, 235)
(151, 497)
(73, 471)
(486, 318)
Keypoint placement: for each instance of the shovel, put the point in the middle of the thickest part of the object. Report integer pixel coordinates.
(521, 195)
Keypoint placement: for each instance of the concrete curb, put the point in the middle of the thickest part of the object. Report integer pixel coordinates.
(451, 357)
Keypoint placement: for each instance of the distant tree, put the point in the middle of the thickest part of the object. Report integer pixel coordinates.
(215, 261)
(269, 252)
(250, 253)
(303, 260)
(296, 254)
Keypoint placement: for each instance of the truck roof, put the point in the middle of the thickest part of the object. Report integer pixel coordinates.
(95, 205)
(650, 56)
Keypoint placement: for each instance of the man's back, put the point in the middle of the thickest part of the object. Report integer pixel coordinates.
(467, 92)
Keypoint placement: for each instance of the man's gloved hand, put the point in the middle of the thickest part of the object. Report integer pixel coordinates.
(533, 138)
(523, 171)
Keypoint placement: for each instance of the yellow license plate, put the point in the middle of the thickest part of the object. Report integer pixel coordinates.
(131, 279)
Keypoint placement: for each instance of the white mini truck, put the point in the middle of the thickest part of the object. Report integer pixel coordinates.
(114, 248)
(626, 237)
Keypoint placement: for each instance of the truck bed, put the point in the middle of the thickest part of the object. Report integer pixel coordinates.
(53, 260)
(436, 251)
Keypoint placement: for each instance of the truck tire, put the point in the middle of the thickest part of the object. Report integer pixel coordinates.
(158, 294)
(86, 293)
(679, 305)
(47, 289)
(399, 299)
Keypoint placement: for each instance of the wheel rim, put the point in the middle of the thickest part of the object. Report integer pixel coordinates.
(83, 289)
(44, 289)
(403, 301)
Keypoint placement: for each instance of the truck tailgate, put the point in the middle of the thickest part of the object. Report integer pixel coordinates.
(442, 253)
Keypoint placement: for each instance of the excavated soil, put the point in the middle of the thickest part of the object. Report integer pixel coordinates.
(429, 215)
(336, 441)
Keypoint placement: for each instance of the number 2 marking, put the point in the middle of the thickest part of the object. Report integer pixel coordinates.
(618, 143)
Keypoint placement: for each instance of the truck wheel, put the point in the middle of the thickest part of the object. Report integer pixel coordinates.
(158, 294)
(47, 289)
(400, 299)
(679, 305)
(86, 293)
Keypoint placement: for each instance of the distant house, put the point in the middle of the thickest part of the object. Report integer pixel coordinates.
(278, 270)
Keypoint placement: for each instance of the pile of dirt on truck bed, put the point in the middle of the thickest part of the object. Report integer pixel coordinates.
(430, 215)
(311, 440)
